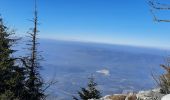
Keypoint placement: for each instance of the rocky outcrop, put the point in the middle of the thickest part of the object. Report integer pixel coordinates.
(150, 95)
(116, 97)
(119, 97)
(131, 96)
(142, 95)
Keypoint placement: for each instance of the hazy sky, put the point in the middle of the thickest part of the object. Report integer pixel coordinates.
(108, 21)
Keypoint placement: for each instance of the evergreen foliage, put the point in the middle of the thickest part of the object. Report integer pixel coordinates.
(11, 75)
(91, 92)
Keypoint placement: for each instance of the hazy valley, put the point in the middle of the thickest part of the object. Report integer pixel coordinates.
(117, 68)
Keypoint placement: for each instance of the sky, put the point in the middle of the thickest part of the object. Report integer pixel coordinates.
(127, 22)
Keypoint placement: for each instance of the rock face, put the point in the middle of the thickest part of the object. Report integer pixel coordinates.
(131, 96)
(150, 95)
(119, 97)
(113, 97)
(166, 97)
(142, 95)
(116, 97)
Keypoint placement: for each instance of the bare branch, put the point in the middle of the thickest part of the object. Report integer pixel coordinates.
(162, 20)
(158, 6)
(49, 85)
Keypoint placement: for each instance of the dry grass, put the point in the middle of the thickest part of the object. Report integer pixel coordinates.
(132, 97)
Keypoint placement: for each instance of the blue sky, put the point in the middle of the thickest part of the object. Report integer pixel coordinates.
(126, 22)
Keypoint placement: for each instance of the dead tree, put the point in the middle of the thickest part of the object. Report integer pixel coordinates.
(34, 82)
(163, 80)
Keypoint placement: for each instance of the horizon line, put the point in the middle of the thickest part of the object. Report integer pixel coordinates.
(106, 43)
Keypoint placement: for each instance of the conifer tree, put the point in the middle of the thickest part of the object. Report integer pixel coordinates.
(11, 75)
(34, 81)
(91, 92)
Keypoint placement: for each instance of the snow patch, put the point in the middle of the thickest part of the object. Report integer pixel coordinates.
(166, 97)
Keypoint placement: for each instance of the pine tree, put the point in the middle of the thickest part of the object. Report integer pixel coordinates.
(34, 81)
(91, 92)
(11, 75)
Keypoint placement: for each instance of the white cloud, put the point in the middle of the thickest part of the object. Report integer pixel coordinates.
(104, 72)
